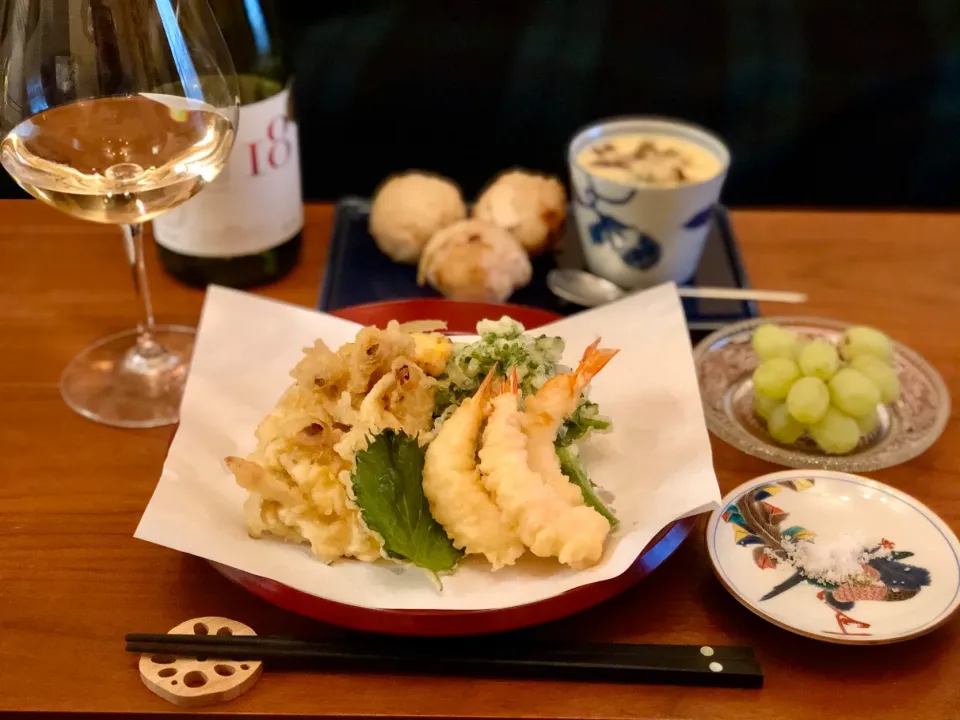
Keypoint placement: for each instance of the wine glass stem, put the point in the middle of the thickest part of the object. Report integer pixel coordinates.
(147, 347)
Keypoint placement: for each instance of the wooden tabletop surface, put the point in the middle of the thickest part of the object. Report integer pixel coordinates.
(73, 580)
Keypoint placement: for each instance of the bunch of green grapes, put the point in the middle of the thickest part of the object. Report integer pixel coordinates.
(829, 392)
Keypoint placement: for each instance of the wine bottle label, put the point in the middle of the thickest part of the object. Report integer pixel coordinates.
(255, 204)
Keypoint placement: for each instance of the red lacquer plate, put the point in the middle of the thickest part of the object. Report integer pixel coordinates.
(461, 318)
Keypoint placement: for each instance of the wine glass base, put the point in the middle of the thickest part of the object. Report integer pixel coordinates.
(115, 383)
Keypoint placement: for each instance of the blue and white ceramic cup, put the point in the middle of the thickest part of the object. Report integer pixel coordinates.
(642, 235)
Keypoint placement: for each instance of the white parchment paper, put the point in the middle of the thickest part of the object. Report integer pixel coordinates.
(656, 462)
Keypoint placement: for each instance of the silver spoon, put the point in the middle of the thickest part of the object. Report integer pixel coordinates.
(589, 290)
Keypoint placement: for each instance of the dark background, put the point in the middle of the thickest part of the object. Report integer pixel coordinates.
(823, 102)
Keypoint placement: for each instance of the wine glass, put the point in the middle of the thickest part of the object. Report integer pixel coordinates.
(116, 111)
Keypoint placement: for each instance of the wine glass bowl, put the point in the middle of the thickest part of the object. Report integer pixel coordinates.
(116, 111)
(156, 157)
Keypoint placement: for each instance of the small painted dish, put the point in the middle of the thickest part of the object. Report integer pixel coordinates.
(836, 557)
(725, 362)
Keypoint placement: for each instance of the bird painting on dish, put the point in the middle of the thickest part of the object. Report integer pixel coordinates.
(846, 569)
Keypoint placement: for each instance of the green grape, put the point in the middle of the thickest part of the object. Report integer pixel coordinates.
(774, 377)
(764, 405)
(836, 433)
(868, 423)
(854, 393)
(819, 358)
(772, 341)
(866, 341)
(782, 427)
(882, 375)
(808, 399)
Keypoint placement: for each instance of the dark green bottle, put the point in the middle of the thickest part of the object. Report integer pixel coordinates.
(244, 229)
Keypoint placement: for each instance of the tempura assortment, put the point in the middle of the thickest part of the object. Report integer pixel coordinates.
(406, 446)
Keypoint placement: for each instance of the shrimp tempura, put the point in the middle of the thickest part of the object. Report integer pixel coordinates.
(546, 523)
(545, 412)
(458, 500)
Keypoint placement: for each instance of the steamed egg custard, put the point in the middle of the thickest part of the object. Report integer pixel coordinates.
(649, 160)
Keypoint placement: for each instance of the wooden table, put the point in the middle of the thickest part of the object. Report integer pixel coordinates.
(73, 580)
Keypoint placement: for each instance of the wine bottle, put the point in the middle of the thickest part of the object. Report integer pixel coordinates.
(245, 228)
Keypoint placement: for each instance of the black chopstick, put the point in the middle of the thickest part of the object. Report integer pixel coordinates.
(719, 666)
(464, 645)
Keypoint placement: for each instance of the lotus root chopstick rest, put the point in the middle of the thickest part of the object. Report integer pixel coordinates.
(198, 682)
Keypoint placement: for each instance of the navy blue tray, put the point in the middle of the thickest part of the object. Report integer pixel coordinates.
(358, 273)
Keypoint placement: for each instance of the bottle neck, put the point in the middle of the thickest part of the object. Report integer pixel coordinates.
(252, 31)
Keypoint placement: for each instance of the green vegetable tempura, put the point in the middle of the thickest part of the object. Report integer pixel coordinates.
(504, 344)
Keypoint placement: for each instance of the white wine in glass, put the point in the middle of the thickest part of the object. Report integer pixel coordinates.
(116, 111)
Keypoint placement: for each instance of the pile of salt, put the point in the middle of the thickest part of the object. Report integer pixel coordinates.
(834, 560)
